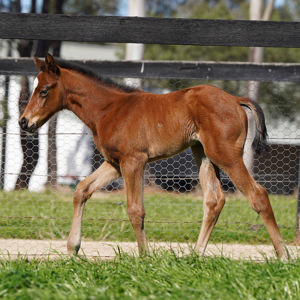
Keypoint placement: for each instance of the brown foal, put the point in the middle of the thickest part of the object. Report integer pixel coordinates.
(132, 127)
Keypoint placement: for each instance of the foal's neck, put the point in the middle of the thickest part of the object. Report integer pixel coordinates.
(87, 97)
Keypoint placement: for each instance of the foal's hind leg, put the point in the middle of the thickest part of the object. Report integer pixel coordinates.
(214, 198)
(104, 175)
(259, 200)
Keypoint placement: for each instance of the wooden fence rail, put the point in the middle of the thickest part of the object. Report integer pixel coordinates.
(150, 30)
(171, 69)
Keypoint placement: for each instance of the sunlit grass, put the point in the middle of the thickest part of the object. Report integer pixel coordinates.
(159, 276)
(170, 217)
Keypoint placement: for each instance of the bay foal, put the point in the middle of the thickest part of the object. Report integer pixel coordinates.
(132, 127)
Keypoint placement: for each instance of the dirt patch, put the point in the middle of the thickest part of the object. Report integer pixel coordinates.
(14, 248)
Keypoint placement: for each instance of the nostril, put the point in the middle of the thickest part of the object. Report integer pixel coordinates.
(23, 123)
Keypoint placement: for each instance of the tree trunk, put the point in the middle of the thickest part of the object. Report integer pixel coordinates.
(297, 236)
(136, 8)
(256, 53)
(29, 143)
(256, 56)
(52, 151)
(52, 145)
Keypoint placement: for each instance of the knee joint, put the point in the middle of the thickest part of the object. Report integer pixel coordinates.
(260, 201)
(215, 202)
(136, 214)
(81, 194)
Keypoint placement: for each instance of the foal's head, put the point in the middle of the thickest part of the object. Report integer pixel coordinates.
(47, 96)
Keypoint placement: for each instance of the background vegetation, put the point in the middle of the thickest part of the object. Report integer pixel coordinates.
(269, 94)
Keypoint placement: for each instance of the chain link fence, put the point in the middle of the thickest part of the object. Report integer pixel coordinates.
(173, 198)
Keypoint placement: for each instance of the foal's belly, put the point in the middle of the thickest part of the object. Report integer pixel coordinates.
(166, 149)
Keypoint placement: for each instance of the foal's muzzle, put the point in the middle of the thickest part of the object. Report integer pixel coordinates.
(24, 125)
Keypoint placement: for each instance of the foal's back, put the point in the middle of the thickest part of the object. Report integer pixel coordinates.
(163, 125)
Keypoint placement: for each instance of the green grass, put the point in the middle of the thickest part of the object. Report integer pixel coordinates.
(170, 217)
(160, 276)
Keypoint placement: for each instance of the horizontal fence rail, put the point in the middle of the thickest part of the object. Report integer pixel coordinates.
(172, 69)
(150, 30)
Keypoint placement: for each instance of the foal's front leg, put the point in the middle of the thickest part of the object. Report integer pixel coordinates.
(133, 174)
(104, 175)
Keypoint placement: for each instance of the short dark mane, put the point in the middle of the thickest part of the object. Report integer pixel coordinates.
(82, 69)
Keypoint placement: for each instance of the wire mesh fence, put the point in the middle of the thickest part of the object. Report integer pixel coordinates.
(173, 199)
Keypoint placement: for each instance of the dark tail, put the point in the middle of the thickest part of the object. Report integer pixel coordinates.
(259, 144)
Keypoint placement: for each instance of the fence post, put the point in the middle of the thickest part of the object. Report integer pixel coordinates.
(297, 236)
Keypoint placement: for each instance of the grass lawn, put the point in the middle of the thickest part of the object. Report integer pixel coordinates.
(170, 217)
(160, 276)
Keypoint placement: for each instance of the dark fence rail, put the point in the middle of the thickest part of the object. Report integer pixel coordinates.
(150, 30)
(172, 69)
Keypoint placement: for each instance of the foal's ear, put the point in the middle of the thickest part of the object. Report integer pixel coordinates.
(51, 66)
(40, 64)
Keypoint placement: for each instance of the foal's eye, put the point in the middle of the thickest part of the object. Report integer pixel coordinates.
(44, 93)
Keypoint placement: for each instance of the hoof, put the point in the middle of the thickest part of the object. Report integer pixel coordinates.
(73, 249)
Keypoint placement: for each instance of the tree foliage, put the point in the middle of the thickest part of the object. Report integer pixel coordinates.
(91, 7)
(162, 7)
(232, 10)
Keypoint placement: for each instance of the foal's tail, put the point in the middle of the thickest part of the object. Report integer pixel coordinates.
(259, 144)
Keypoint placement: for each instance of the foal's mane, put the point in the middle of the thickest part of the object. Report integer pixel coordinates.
(85, 70)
